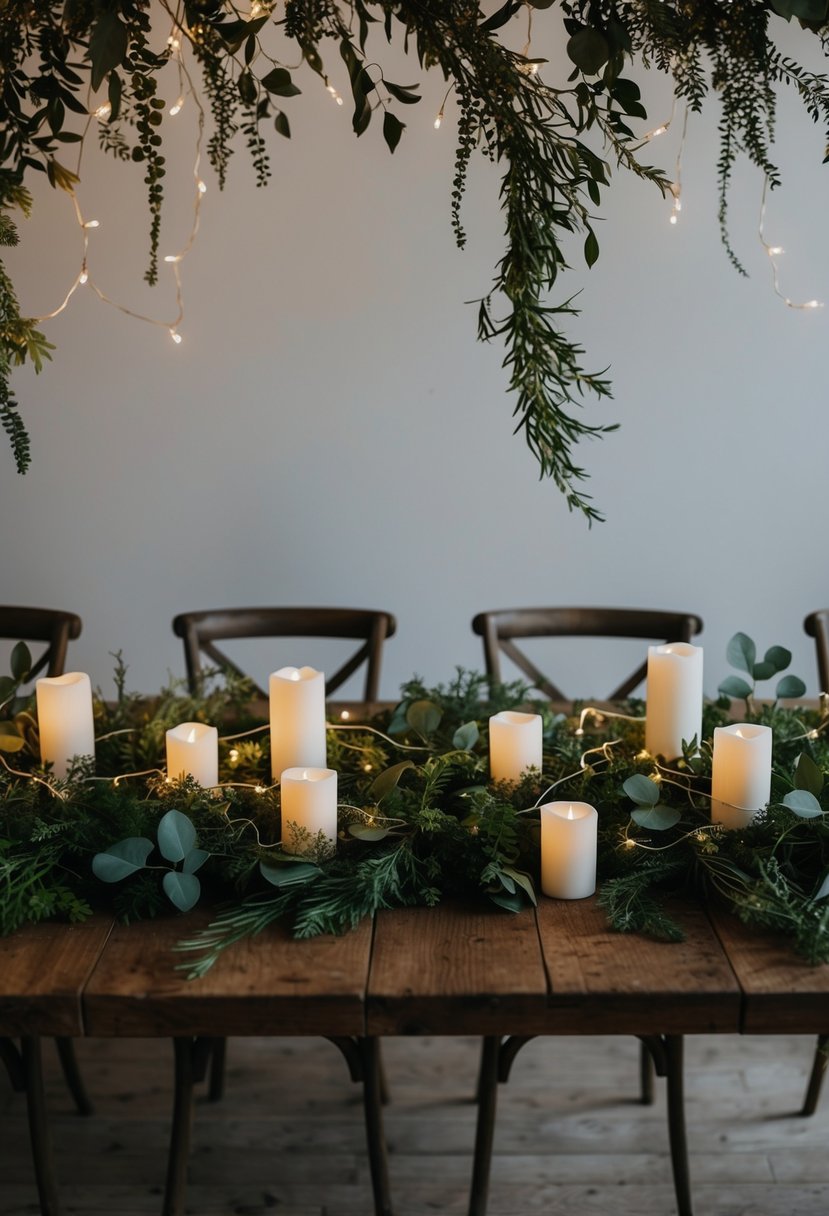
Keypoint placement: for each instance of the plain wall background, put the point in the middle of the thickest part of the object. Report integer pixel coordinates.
(330, 432)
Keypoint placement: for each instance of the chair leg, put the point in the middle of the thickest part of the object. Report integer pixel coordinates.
(72, 1076)
(810, 1100)
(373, 1107)
(676, 1124)
(216, 1085)
(646, 1076)
(39, 1130)
(182, 1125)
(485, 1130)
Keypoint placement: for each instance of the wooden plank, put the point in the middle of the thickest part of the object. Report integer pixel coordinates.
(602, 982)
(782, 993)
(454, 969)
(267, 985)
(43, 970)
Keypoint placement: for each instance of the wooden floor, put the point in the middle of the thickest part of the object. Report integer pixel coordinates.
(571, 1140)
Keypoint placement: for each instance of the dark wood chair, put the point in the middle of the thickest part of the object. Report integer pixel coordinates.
(200, 630)
(47, 625)
(816, 625)
(501, 628)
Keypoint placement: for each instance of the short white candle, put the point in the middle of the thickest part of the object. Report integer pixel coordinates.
(569, 843)
(740, 773)
(193, 750)
(64, 717)
(309, 804)
(297, 704)
(514, 744)
(674, 698)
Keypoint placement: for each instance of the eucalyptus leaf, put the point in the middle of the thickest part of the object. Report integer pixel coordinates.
(823, 889)
(424, 717)
(523, 880)
(591, 248)
(398, 723)
(279, 83)
(10, 741)
(107, 46)
(176, 836)
(641, 789)
(790, 686)
(392, 129)
(779, 657)
(363, 831)
(657, 818)
(122, 859)
(386, 781)
(289, 874)
(808, 775)
(803, 803)
(741, 652)
(194, 861)
(589, 50)
(514, 902)
(21, 661)
(733, 686)
(466, 736)
(764, 671)
(182, 890)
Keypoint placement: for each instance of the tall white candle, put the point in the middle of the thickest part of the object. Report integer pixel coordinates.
(740, 773)
(514, 744)
(569, 844)
(674, 698)
(64, 717)
(193, 749)
(297, 704)
(309, 804)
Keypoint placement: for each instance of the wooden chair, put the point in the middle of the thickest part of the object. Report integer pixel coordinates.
(816, 625)
(47, 625)
(200, 630)
(500, 629)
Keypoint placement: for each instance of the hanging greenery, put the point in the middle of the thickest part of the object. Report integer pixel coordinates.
(418, 817)
(70, 66)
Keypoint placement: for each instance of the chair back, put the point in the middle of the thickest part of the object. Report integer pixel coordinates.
(500, 629)
(817, 627)
(47, 625)
(200, 630)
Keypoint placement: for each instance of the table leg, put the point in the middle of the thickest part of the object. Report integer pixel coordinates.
(218, 1055)
(485, 1130)
(676, 1124)
(39, 1130)
(810, 1101)
(181, 1129)
(646, 1076)
(372, 1070)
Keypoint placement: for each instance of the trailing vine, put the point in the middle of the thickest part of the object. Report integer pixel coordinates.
(557, 142)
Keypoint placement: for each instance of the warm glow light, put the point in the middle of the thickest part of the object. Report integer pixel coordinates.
(438, 120)
(83, 277)
(92, 224)
(233, 755)
(103, 112)
(173, 257)
(175, 336)
(367, 768)
(345, 715)
(202, 188)
(176, 107)
(191, 738)
(775, 250)
(813, 304)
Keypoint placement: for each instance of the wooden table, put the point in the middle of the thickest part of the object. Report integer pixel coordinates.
(450, 970)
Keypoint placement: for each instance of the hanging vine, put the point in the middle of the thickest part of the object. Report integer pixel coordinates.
(65, 62)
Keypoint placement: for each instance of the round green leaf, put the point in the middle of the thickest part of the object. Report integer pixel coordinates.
(779, 657)
(289, 874)
(642, 790)
(122, 859)
(362, 831)
(808, 775)
(764, 670)
(823, 889)
(657, 818)
(466, 736)
(790, 686)
(589, 50)
(176, 836)
(194, 860)
(803, 803)
(513, 903)
(424, 716)
(183, 890)
(386, 781)
(741, 652)
(733, 686)
(21, 661)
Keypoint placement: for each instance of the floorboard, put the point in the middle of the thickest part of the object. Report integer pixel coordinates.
(571, 1139)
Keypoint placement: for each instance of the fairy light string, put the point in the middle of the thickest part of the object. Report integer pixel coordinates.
(774, 252)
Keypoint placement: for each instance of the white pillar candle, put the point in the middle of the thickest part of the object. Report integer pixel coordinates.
(674, 708)
(309, 804)
(740, 773)
(297, 704)
(64, 717)
(514, 744)
(569, 843)
(193, 750)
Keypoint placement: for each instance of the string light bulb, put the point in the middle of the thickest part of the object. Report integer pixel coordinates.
(83, 277)
(92, 224)
(175, 108)
(176, 336)
(332, 92)
(103, 112)
(439, 118)
(201, 186)
(773, 252)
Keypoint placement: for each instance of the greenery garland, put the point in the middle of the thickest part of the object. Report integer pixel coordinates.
(66, 63)
(419, 819)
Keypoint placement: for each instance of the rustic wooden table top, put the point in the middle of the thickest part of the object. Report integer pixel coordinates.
(453, 969)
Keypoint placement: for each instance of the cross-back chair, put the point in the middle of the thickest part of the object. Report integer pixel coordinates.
(48, 625)
(500, 629)
(201, 630)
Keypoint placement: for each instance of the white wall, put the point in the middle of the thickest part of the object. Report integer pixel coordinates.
(329, 432)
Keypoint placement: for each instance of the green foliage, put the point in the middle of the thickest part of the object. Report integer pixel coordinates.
(741, 653)
(56, 60)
